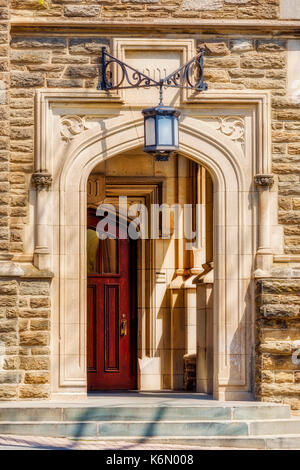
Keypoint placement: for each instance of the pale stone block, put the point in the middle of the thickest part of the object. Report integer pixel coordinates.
(202, 5)
(149, 373)
(290, 9)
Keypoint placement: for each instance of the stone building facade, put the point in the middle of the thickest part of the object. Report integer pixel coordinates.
(223, 318)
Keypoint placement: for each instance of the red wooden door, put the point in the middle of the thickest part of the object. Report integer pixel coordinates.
(111, 319)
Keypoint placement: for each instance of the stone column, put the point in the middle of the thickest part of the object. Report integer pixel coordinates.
(42, 181)
(4, 131)
(264, 256)
(205, 329)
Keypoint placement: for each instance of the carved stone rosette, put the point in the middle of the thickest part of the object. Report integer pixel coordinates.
(264, 180)
(41, 180)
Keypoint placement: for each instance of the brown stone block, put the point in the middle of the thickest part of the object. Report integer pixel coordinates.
(215, 48)
(23, 325)
(215, 75)
(18, 212)
(29, 57)
(244, 73)
(9, 339)
(8, 287)
(10, 377)
(294, 149)
(8, 392)
(40, 351)
(87, 45)
(297, 377)
(281, 287)
(222, 62)
(285, 203)
(11, 363)
(37, 338)
(271, 45)
(285, 136)
(280, 389)
(18, 201)
(291, 217)
(277, 347)
(8, 301)
(39, 302)
(37, 325)
(82, 11)
(37, 378)
(34, 288)
(64, 83)
(45, 68)
(72, 60)
(283, 168)
(7, 326)
(22, 103)
(34, 391)
(28, 42)
(82, 72)
(277, 362)
(34, 363)
(284, 376)
(34, 313)
(26, 79)
(263, 61)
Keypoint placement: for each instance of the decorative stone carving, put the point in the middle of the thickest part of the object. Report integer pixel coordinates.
(231, 126)
(41, 180)
(264, 180)
(71, 126)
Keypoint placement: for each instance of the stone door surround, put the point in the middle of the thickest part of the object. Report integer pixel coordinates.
(99, 127)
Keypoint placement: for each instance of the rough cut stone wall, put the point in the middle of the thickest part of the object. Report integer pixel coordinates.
(134, 9)
(24, 330)
(4, 127)
(70, 62)
(278, 327)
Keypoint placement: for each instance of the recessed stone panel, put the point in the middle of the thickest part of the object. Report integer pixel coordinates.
(290, 9)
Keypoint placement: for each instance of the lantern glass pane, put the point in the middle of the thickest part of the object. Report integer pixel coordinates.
(150, 131)
(176, 143)
(164, 125)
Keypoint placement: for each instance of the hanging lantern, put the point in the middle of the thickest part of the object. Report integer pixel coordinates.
(161, 135)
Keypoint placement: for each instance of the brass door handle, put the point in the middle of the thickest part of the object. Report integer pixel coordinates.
(123, 327)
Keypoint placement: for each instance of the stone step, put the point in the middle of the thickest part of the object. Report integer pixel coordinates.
(139, 429)
(143, 413)
(288, 441)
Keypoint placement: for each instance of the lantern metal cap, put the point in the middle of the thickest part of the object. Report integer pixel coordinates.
(161, 110)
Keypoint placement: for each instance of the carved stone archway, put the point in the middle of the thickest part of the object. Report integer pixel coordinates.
(241, 224)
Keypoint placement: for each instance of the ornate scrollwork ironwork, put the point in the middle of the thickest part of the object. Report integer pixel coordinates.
(189, 75)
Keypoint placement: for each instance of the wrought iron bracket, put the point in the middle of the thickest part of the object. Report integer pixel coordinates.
(188, 76)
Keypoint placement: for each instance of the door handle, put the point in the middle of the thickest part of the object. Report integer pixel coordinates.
(123, 326)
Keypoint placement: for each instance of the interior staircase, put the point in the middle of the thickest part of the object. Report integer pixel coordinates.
(245, 425)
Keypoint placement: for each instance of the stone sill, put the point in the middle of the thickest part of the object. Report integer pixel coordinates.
(23, 271)
(161, 25)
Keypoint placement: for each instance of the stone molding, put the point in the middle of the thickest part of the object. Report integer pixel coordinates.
(162, 24)
(264, 180)
(198, 141)
(41, 180)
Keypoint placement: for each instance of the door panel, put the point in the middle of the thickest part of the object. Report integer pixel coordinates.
(111, 327)
(111, 319)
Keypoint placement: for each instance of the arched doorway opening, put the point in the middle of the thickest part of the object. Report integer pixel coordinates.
(171, 287)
